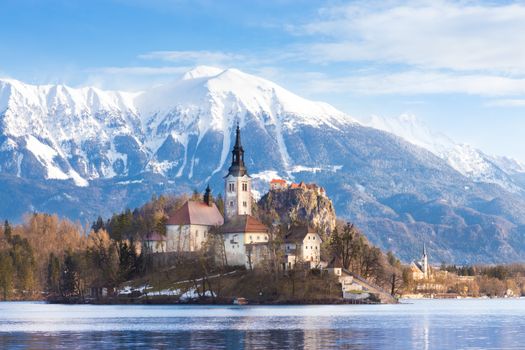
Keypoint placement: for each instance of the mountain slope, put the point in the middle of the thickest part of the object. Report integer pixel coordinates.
(94, 152)
(469, 161)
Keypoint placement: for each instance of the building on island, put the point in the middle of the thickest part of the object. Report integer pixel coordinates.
(245, 240)
(245, 237)
(302, 245)
(155, 243)
(420, 269)
(278, 184)
(188, 227)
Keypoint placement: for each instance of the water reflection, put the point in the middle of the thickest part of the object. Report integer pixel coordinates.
(422, 325)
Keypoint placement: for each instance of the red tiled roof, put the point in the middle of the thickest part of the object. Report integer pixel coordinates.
(196, 213)
(243, 223)
(278, 181)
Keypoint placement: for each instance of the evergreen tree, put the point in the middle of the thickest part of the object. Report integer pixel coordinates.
(53, 274)
(98, 225)
(6, 275)
(70, 278)
(8, 232)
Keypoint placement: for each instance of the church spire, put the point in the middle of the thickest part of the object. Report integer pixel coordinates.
(237, 168)
(207, 196)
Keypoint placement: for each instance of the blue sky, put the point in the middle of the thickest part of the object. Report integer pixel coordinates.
(457, 66)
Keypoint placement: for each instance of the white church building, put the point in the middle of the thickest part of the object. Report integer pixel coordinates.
(245, 237)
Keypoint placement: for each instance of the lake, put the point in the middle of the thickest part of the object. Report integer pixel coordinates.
(414, 324)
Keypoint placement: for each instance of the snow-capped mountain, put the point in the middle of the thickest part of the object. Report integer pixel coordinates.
(64, 133)
(466, 159)
(87, 152)
(85, 134)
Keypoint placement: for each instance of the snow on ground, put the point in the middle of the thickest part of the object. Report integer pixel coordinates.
(192, 294)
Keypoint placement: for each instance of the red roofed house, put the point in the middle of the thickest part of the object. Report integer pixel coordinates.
(278, 184)
(245, 240)
(188, 227)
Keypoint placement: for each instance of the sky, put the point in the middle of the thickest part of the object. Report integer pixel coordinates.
(457, 66)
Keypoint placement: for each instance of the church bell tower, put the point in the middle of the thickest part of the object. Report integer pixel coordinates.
(238, 190)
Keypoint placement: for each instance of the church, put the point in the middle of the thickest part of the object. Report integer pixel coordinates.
(245, 237)
(420, 269)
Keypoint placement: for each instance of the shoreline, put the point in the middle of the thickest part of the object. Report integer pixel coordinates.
(202, 301)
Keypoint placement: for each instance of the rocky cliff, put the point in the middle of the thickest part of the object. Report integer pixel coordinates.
(300, 205)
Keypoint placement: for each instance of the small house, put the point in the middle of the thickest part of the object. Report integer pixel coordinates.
(302, 244)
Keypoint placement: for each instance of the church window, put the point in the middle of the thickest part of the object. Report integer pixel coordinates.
(245, 186)
(231, 187)
(231, 203)
(244, 204)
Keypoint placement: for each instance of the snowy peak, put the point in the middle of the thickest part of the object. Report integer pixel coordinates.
(49, 98)
(87, 133)
(202, 72)
(213, 93)
(464, 158)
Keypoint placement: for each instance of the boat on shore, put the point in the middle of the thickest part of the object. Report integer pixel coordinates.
(240, 301)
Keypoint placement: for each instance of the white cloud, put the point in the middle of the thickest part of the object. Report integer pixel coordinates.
(460, 36)
(421, 82)
(506, 103)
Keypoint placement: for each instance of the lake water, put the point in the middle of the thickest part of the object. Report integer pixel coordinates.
(419, 324)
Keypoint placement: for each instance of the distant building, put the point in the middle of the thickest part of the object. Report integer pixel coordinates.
(302, 245)
(188, 227)
(155, 243)
(420, 269)
(278, 184)
(245, 240)
(335, 266)
(311, 186)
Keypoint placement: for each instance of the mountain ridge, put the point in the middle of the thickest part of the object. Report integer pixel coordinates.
(177, 137)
